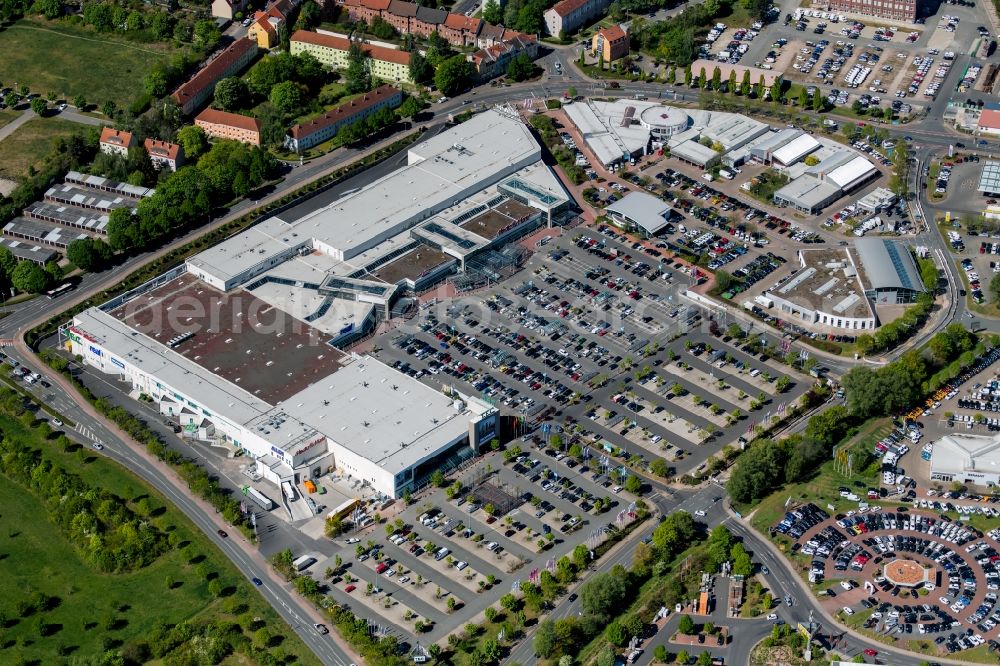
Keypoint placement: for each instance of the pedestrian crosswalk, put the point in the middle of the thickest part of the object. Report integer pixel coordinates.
(85, 431)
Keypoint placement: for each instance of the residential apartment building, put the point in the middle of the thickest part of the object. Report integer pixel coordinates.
(610, 44)
(896, 10)
(364, 10)
(116, 142)
(567, 16)
(222, 125)
(460, 30)
(164, 154)
(410, 18)
(386, 64)
(493, 61)
(266, 24)
(324, 127)
(197, 90)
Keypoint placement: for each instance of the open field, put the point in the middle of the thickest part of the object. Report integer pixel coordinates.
(89, 611)
(30, 143)
(75, 61)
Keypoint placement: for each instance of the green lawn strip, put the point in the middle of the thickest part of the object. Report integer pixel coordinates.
(26, 145)
(980, 655)
(93, 611)
(7, 116)
(70, 61)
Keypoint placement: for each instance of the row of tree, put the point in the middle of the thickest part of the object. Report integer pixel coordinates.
(897, 386)
(890, 390)
(227, 171)
(604, 596)
(898, 330)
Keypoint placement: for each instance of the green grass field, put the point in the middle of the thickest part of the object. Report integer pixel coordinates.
(30, 142)
(90, 612)
(75, 61)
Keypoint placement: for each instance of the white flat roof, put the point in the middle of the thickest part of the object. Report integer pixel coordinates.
(851, 172)
(600, 125)
(379, 413)
(440, 172)
(693, 151)
(733, 130)
(795, 150)
(330, 316)
(966, 453)
(406, 419)
(807, 192)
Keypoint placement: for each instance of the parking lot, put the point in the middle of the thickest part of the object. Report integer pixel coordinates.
(903, 573)
(441, 561)
(595, 340)
(876, 62)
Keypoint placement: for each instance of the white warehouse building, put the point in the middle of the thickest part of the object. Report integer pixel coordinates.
(241, 346)
(967, 459)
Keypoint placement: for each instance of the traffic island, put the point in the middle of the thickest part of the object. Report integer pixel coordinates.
(906, 573)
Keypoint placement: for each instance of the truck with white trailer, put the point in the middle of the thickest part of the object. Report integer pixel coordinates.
(258, 498)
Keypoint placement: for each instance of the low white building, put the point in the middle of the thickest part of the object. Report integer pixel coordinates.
(967, 459)
(823, 292)
(640, 212)
(365, 418)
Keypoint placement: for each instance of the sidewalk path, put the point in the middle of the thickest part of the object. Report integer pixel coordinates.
(12, 126)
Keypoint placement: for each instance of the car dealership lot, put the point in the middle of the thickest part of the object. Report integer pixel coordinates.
(950, 588)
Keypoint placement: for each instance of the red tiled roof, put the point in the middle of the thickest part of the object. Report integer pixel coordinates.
(345, 110)
(162, 149)
(461, 22)
(116, 137)
(216, 117)
(213, 71)
(989, 118)
(614, 33)
(263, 21)
(344, 44)
(567, 7)
(378, 5)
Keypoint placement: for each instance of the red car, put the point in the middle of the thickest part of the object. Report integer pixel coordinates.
(350, 588)
(870, 652)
